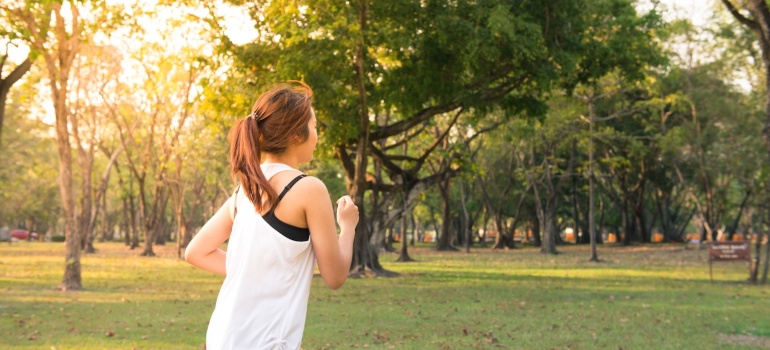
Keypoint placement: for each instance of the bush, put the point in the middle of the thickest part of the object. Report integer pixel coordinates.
(57, 238)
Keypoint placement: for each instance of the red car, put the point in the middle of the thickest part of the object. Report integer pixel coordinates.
(23, 234)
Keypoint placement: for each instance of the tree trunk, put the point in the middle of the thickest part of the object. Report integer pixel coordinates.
(105, 226)
(444, 239)
(414, 228)
(483, 237)
(404, 254)
(767, 261)
(502, 239)
(147, 227)
(72, 278)
(124, 224)
(435, 224)
(734, 226)
(85, 228)
(537, 240)
(152, 223)
(466, 215)
(161, 232)
(600, 230)
(663, 204)
(134, 228)
(754, 269)
(547, 222)
(549, 230)
(580, 230)
(389, 240)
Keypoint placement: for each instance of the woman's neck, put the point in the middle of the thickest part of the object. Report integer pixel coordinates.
(282, 159)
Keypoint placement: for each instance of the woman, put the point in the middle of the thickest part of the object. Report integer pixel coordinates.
(279, 222)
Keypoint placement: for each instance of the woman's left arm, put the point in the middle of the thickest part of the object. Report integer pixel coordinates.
(203, 251)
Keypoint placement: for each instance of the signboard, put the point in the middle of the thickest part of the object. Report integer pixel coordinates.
(728, 251)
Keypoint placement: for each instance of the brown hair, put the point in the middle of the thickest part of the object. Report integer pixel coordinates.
(278, 119)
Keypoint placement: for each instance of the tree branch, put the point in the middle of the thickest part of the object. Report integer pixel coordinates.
(745, 21)
(404, 125)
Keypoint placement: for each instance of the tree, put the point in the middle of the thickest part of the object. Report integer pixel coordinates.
(758, 22)
(95, 68)
(59, 45)
(9, 80)
(362, 58)
(28, 197)
(553, 145)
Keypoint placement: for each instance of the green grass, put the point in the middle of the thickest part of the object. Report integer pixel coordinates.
(639, 297)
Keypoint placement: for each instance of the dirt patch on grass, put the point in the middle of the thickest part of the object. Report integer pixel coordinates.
(744, 339)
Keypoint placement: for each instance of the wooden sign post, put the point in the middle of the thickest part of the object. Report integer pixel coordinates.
(728, 251)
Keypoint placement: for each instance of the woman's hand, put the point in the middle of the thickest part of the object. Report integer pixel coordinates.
(347, 213)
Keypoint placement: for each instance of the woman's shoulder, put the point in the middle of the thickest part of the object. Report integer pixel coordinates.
(303, 186)
(311, 184)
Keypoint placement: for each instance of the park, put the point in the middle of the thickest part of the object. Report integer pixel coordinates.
(528, 174)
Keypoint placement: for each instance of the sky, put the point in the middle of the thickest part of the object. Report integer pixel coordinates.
(698, 11)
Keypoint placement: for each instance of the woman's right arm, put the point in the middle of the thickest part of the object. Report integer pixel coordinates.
(333, 253)
(203, 251)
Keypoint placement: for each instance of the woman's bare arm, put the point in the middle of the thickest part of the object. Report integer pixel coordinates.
(203, 251)
(333, 253)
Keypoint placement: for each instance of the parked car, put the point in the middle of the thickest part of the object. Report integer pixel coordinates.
(23, 234)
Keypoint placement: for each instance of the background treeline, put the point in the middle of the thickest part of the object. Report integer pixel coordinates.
(472, 122)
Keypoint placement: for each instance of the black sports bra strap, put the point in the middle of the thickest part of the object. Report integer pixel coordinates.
(288, 187)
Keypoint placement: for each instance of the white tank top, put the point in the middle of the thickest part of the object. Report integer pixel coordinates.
(263, 301)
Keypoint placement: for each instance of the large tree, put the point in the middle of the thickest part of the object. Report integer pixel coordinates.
(56, 31)
(417, 61)
(58, 41)
(758, 21)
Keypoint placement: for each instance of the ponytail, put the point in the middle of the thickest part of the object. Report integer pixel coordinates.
(245, 154)
(279, 118)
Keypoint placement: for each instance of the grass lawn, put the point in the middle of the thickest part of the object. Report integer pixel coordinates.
(639, 297)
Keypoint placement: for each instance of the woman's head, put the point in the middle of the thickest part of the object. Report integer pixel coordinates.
(277, 122)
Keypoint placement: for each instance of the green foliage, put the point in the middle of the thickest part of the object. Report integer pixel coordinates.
(476, 54)
(616, 37)
(27, 192)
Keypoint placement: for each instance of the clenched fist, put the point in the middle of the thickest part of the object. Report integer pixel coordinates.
(347, 213)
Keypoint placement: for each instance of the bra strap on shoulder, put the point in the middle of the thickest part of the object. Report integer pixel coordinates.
(288, 187)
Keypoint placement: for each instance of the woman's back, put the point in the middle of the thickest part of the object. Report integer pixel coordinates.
(274, 240)
(263, 300)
